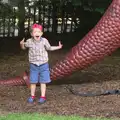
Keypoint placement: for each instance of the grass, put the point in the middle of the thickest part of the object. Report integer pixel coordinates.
(44, 117)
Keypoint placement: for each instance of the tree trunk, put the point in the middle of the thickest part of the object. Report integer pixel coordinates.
(21, 18)
(54, 25)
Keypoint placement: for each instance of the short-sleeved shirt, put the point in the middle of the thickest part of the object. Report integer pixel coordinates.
(38, 50)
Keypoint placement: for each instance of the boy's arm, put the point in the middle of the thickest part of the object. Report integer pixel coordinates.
(22, 44)
(52, 48)
(56, 47)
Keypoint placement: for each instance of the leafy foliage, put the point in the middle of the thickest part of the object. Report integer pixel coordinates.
(93, 5)
(5, 9)
(6, 12)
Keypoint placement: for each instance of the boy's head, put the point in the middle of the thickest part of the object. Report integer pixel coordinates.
(36, 31)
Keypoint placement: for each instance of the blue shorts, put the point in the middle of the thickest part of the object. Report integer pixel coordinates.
(39, 74)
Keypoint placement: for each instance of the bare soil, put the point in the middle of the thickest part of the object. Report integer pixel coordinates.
(103, 75)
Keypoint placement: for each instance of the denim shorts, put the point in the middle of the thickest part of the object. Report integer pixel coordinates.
(39, 74)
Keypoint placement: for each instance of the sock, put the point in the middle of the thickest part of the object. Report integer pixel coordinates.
(43, 97)
(33, 97)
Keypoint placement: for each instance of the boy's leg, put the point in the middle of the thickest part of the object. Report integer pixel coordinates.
(33, 80)
(32, 97)
(44, 79)
(43, 92)
(43, 89)
(33, 88)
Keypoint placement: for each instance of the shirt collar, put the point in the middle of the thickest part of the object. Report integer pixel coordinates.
(37, 41)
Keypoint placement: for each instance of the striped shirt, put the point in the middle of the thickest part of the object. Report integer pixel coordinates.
(38, 50)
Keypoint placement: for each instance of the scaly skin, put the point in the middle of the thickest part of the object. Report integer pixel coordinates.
(101, 41)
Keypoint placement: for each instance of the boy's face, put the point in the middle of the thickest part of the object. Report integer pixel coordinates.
(36, 34)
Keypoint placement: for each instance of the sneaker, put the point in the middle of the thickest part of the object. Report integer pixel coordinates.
(31, 99)
(42, 100)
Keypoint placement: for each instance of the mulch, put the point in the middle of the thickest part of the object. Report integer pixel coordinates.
(103, 75)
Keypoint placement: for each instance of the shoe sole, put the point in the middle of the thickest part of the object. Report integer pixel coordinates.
(41, 103)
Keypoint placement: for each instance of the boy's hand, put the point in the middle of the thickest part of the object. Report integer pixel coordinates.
(60, 45)
(22, 44)
(22, 41)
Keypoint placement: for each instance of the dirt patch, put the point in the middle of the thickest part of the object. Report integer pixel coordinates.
(103, 75)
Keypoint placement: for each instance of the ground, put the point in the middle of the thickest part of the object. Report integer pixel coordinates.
(102, 75)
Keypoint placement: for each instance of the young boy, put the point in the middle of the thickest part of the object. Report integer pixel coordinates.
(38, 59)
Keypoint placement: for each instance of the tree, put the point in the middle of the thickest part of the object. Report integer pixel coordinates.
(21, 17)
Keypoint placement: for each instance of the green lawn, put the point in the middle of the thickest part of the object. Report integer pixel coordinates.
(44, 117)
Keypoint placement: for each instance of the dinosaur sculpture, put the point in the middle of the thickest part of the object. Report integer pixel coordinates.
(101, 41)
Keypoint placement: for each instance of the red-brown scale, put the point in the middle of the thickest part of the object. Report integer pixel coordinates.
(102, 40)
